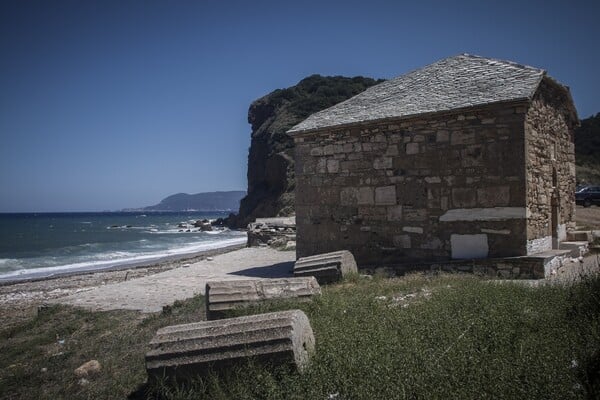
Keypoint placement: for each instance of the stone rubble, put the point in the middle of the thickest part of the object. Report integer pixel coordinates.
(274, 232)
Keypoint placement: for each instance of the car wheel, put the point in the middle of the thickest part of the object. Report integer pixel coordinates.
(587, 203)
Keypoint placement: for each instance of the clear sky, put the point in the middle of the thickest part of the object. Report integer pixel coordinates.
(119, 103)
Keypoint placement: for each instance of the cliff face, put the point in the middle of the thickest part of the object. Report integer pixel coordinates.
(271, 158)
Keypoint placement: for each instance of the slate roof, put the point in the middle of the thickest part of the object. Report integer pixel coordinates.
(452, 83)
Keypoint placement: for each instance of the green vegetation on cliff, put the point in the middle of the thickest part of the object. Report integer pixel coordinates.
(271, 162)
(587, 150)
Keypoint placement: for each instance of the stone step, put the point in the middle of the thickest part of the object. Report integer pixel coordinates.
(550, 260)
(327, 267)
(182, 352)
(579, 236)
(226, 295)
(576, 248)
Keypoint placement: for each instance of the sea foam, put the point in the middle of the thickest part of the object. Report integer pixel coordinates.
(115, 259)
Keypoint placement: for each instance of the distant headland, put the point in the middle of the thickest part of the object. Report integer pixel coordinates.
(208, 201)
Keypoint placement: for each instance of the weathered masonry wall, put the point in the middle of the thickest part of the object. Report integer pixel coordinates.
(438, 187)
(550, 168)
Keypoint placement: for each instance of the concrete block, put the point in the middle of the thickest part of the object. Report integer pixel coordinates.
(327, 267)
(226, 295)
(182, 352)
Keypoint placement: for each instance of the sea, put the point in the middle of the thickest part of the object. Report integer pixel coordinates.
(36, 245)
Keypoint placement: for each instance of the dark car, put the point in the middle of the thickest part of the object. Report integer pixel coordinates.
(588, 195)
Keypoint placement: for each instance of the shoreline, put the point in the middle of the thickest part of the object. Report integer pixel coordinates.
(20, 299)
(133, 264)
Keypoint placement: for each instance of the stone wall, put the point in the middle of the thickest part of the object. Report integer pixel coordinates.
(550, 152)
(445, 186)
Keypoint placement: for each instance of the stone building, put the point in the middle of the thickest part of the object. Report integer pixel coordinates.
(469, 157)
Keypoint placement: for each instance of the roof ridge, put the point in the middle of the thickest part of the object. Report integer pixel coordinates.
(455, 82)
(499, 60)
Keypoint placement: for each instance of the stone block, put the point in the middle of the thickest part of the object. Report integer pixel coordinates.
(348, 196)
(402, 241)
(327, 267)
(442, 136)
(412, 229)
(579, 236)
(222, 296)
(415, 214)
(382, 163)
(183, 352)
(333, 166)
(412, 148)
(385, 195)
(316, 151)
(365, 196)
(392, 150)
(464, 197)
(433, 179)
(496, 196)
(394, 213)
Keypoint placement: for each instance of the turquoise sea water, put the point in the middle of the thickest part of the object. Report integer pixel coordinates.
(46, 244)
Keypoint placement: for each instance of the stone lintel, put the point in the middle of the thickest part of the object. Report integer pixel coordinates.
(484, 214)
(496, 231)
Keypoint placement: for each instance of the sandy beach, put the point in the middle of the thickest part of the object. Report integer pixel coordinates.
(20, 300)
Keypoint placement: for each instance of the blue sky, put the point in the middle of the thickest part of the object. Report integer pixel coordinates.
(113, 104)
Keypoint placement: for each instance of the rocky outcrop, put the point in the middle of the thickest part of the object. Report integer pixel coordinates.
(271, 162)
(274, 232)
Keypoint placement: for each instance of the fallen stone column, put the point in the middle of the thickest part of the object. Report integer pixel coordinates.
(182, 352)
(222, 296)
(328, 267)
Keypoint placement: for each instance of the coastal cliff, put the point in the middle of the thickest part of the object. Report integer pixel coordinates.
(271, 159)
